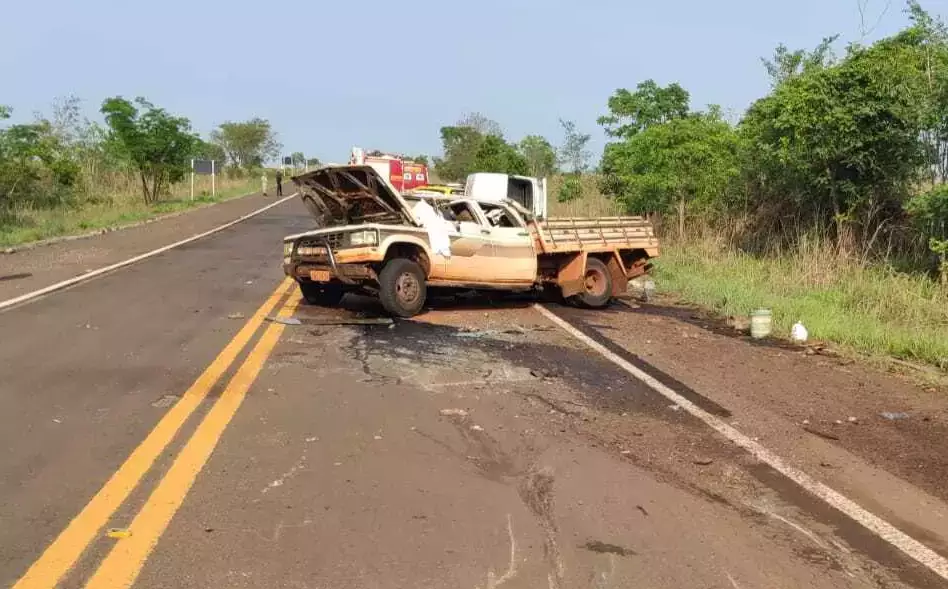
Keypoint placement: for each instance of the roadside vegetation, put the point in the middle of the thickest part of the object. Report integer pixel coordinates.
(63, 174)
(826, 202)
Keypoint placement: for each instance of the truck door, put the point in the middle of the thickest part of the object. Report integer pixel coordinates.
(471, 252)
(515, 260)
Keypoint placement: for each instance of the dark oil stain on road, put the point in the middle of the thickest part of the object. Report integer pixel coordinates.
(599, 381)
(606, 548)
(17, 276)
(581, 321)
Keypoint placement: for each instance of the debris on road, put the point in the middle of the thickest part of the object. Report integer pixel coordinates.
(165, 401)
(285, 320)
(118, 533)
(544, 373)
(350, 321)
(893, 416)
(738, 323)
(798, 333)
(852, 419)
(703, 461)
(376, 437)
(477, 428)
(820, 433)
(453, 413)
(236, 316)
(675, 407)
(476, 333)
(604, 548)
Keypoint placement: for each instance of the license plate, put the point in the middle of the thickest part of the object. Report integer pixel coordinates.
(319, 275)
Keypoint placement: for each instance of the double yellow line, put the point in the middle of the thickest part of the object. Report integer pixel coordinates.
(126, 559)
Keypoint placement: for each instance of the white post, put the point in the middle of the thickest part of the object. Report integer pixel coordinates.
(213, 180)
(192, 179)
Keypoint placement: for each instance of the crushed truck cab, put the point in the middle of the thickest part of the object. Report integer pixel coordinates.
(374, 240)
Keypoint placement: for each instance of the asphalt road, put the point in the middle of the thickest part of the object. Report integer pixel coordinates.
(158, 431)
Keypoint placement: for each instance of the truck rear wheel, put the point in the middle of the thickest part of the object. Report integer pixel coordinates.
(402, 287)
(598, 286)
(322, 295)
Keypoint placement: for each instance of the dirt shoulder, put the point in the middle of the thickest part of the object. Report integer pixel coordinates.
(30, 269)
(878, 438)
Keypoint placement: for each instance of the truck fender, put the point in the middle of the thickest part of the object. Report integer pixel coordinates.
(571, 273)
(407, 246)
(620, 280)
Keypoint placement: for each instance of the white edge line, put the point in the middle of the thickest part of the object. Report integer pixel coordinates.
(100, 271)
(881, 528)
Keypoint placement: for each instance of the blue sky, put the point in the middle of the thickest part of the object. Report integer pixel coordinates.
(388, 75)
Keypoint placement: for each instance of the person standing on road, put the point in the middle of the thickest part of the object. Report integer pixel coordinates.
(279, 179)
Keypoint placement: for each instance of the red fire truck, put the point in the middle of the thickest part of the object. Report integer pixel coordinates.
(403, 174)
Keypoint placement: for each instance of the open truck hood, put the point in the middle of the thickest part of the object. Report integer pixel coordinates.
(350, 195)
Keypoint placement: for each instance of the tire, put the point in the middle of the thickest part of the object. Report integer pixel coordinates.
(598, 283)
(322, 295)
(402, 288)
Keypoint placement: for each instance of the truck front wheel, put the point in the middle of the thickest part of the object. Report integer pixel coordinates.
(402, 288)
(322, 295)
(597, 283)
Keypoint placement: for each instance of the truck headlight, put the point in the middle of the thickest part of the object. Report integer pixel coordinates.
(287, 248)
(363, 238)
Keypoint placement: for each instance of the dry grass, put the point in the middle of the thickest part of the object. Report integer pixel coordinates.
(119, 203)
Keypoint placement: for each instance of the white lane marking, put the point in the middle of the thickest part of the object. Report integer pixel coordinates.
(881, 528)
(100, 271)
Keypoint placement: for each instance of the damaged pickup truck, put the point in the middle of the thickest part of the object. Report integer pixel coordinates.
(371, 239)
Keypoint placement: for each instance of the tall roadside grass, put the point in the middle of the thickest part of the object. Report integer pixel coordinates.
(115, 205)
(869, 308)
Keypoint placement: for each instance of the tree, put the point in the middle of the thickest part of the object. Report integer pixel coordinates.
(249, 143)
(573, 154)
(663, 167)
(421, 159)
(459, 145)
(481, 124)
(840, 146)
(205, 150)
(466, 151)
(650, 104)
(313, 162)
(540, 155)
(158, 144)
(35, 164)
(787, 64)
(297, 159)
(496, 155)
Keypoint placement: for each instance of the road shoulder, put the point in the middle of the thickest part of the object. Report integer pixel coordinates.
(31, 269)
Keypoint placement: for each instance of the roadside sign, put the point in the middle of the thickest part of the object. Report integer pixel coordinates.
(204, 167)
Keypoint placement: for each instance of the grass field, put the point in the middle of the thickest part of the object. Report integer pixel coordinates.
(25, 225)
(869, 309)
